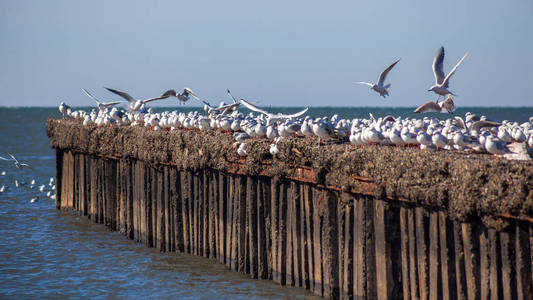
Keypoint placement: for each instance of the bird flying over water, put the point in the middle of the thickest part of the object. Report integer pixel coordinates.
(442, 81)
(99, 104)
(380, 86)
(18, 164)
(136, 105)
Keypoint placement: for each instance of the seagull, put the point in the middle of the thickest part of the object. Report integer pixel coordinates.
(496, 146)
(270, 116)
(136, 105)
(442, 81)
(446, 106)
(18, 164)
(242, 149)
(381, 87)
(64, 109)
(185, 94)
(101, 105)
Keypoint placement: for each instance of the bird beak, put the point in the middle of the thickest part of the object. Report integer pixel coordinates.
(429, 90)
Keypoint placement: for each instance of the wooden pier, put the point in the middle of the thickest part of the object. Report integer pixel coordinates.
(347, 232)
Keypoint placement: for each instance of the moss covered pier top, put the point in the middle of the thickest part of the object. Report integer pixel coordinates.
(464, 185)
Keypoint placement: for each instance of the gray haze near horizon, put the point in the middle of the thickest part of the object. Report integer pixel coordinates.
(275, 53)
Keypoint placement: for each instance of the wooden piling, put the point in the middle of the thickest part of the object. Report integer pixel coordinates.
(297, 233)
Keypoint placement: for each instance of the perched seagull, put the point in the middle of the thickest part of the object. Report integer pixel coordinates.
(136, 105)
(381, 87)
(63, 109)
(242, 149)
(496, 146)
(442, 81)
(270, 116)
(101, 105)
(18, 164)
(446, 106)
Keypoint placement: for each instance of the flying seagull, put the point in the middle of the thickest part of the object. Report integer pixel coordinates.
(270, 116)
(381, 87)
(446, 106)
(184, 95)
(99, 104)
(18, 164)
(136, 105)
(442, 81)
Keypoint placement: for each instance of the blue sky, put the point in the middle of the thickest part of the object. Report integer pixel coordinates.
(280, 53)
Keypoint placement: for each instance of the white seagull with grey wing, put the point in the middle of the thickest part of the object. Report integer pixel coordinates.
(18, 164)
(442, 81)
(136, 105)
(380, 86)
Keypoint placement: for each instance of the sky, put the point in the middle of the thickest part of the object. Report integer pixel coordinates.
(278, 53)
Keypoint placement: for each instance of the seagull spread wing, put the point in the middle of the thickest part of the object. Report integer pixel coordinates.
(437, 66)
(90, 95)
(163, 96)
(122, 94)
(447, 79)
(232, 106)
(107, 104)
(169, 93)
(476, 126)
(152, 99)
(367, 83)
(428, 107)
(13, 157)
(460, 122)
(3, 158)
(389, 118)
(232, 98)
(383, 74)
(255, 108)
(227, 108)
(295, 115)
